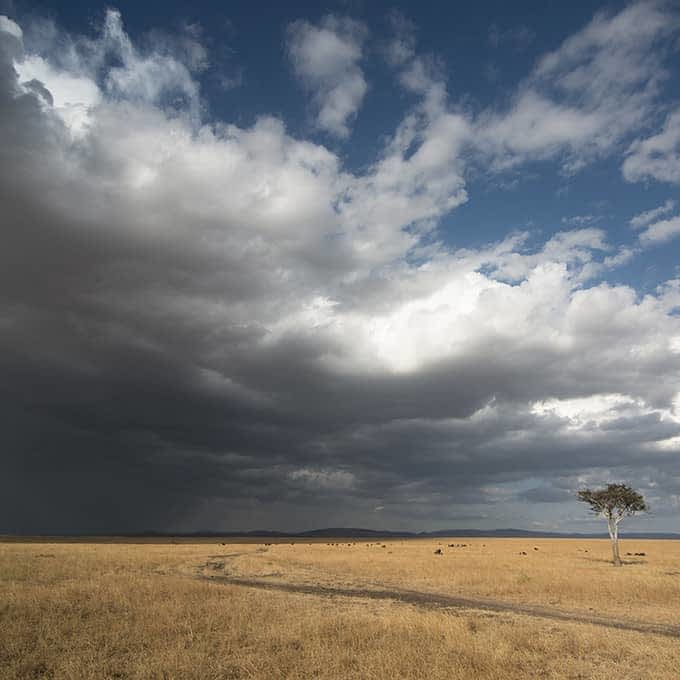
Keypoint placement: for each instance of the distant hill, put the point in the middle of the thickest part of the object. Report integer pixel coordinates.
(353, 532)
(343, 532)
(521, 533)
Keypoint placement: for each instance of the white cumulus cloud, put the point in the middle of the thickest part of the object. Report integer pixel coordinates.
(656, 157)
(326, 58)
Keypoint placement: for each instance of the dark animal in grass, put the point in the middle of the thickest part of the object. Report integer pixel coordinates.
(438, 551)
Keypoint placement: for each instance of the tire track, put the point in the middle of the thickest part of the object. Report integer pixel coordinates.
(443, 602)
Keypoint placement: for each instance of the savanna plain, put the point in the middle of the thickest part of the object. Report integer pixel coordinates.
(340, 608)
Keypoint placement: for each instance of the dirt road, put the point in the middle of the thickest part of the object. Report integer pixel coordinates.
(443, 602)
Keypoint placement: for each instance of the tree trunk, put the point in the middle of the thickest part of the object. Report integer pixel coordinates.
(614, 535)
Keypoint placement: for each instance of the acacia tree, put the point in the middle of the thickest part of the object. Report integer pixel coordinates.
(614, 502)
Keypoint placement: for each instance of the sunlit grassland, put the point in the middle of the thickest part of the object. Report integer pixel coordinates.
(571, 574)
(140, 611)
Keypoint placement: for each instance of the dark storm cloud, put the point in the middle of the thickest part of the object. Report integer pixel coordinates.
(219, 328)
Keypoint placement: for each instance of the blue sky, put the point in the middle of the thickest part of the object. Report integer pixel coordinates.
(418, 258)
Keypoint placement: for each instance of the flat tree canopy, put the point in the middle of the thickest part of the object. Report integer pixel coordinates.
(614, 501)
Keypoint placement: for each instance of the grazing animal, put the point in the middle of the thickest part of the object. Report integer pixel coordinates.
(438, 551)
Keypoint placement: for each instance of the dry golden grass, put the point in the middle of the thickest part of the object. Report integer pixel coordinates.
(137, 611)
(569, 574)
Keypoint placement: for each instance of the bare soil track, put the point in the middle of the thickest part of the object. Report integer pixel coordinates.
(443, 602)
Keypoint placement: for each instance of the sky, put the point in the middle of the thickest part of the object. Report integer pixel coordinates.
(412, 266)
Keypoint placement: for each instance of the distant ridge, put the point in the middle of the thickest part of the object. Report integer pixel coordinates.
(348, 532)
(352, 532)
